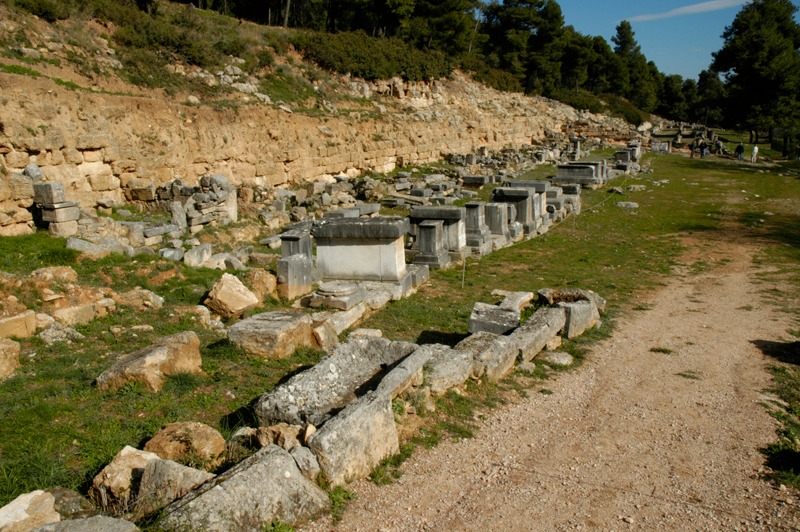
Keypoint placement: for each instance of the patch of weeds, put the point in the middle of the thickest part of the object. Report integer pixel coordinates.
(665, 350)
(642, 307)
(340, 498)
(459, 431)
(690, 374)
(745, 307)
(428, 437)
(21, 70)
(388, 470)
(277, 526)
(545, 391)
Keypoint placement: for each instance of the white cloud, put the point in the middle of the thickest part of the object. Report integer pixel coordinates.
(701, 7)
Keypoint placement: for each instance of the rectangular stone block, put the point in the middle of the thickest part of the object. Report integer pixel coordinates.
(48, 193)
(67, 214)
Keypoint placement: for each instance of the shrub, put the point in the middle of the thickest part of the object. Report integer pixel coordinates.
(371, 58)
(49, 10)
(580, 99)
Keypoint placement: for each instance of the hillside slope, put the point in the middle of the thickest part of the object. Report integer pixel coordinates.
(83, 126)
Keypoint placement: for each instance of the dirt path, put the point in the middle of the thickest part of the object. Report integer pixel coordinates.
(634, 439)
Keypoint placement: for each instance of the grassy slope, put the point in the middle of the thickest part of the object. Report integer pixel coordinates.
(58, 430)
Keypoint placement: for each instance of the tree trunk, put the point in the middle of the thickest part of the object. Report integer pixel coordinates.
(286, 14)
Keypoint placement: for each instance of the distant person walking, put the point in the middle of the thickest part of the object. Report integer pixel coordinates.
(739, 151)
(703, 149)
(692, 146)
(754, 156)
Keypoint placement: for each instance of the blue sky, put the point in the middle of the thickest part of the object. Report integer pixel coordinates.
(678, 35)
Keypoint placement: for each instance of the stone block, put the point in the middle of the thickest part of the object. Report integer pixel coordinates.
(409, 372)
(178, 353)
(116, 486)
(273, 334)
(188, 440)
(446, 368)
(295, 276)
(351, 444)
(76, 315)
(164, 481)
(539, 329)
(22, 325)
(63, 229)
(310, 396)
(264, 488)
(492, 318)
(229, 297)
(66, 214)
(48, 193)
(28, 511)
(9, 357)
(580, 316)
(493, 355)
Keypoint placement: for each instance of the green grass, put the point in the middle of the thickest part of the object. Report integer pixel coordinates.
(664, 350)
(340, 498)
(59, 430)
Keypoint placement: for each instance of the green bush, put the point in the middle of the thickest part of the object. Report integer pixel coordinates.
(49, 10)
(622, 108)
(371, 58)
(580, 99)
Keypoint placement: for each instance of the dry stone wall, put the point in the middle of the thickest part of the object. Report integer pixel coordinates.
(99, 145)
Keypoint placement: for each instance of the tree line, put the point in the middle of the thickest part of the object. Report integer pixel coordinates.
(753, 81)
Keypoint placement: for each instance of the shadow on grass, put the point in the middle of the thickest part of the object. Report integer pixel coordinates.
(786, 352)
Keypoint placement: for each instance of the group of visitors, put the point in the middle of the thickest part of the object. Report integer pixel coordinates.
(700, 145)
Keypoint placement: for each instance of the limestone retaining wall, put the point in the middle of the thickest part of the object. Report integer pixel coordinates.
(97, 144)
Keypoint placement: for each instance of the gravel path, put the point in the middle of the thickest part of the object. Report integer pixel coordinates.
(634, 439)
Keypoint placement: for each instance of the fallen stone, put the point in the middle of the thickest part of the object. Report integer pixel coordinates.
(556, 358)
(552, 296)
(179, 353)
(9, 357)
(230, 298)
(493, 355)
(493, 319)
(409, 372)
(261, 489)
(197, 256)
(164, 481)
(627, 205)
(310, 396)
(76, 315)
(262, 283)
(580, 317)
(306, 461)
(273, 334)
(514, 300)
(225, 261)
(91, 249)
(534, 334)
(28, 511)
(356, 440)
(97, 523)
(57, 332)
(139, 299)
(188, 441)
(115, 487)
(61, 274)
(23, 325)
(447, 367)
(283, 435)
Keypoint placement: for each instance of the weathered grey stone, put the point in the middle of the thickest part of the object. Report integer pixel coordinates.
(9, 357)
(175, 254)
(179, 353)
(493, 355)
(230, 298)
(265, 487)
(96, 523)
(446, 368)
(116, 486)
(409, 372)
(580, 316)
(492, 318)
(353, 442)
(48, 193)
(386, 227)
(627, 204)
(63, 229)
(534, 334)
(306, 461)
(163, 481)
(186, 440)
(556, 358)
(198, 255)
(93, 249)
(65, 214)
(516, 301)
(139, 299)
(273, 334)
(311, 395)
(58, 332)
(552, 296)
